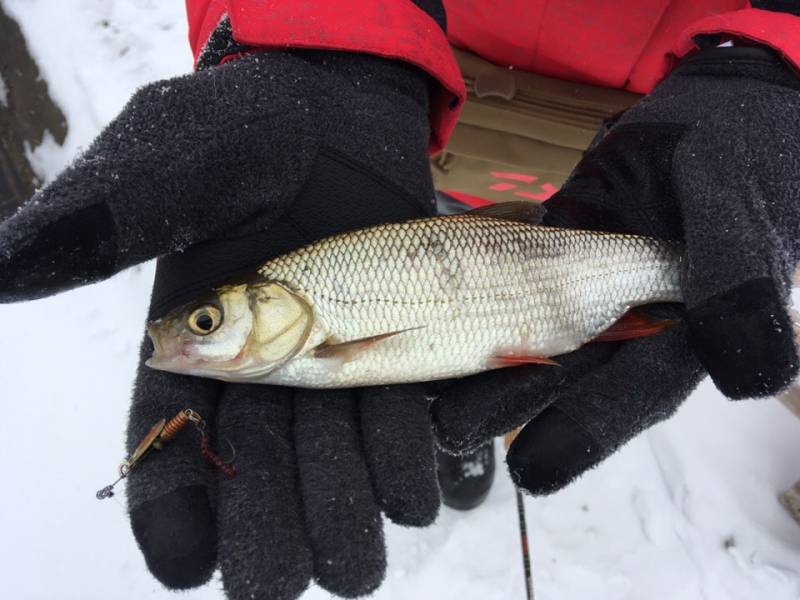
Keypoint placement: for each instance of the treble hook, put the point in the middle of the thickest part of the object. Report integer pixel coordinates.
(233, 453)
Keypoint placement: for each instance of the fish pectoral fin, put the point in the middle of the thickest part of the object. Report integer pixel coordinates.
(347, 351)
(513, 359)
(524, 211)
(635, 324)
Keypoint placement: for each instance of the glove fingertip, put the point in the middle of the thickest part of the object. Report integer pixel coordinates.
(399, 451)
(354, 575)
(459, 441)
(57, 254)
(417, 508)
(551, 452)
(177, 536)
(744, 339)
(458, 428)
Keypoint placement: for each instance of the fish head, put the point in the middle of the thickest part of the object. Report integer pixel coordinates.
(235, 333)
(204, 336)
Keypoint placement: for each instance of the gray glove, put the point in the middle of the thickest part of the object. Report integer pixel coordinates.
(216, 172)
(711, 157)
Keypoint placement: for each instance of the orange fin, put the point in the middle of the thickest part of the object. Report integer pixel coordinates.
(634, 324)
(347, 351)
(513, 360)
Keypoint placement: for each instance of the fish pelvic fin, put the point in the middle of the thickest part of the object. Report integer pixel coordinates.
(635, 324)
(513, 360)
(347, 351)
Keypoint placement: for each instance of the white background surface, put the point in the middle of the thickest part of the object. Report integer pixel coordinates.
(652, 522)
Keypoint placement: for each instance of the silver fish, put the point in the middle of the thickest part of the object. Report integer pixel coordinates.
(418, 301)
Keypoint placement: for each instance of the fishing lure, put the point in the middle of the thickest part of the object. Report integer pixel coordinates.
(162, 432)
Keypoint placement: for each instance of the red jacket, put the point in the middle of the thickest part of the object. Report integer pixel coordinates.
(629, 44)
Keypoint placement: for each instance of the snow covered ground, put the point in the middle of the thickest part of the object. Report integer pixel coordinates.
(686, 511)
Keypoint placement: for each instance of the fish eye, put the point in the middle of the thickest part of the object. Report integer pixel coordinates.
(205, 320)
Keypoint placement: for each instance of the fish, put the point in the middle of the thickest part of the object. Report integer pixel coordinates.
(423, 300)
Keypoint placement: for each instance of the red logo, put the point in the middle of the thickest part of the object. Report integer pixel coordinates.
(525, 190)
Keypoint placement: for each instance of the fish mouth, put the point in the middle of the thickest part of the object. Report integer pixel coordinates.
(182, 366)
(160, 348)
(183, 363)
(170, 352)
(175, 364)
(201, 368)
(170, 355)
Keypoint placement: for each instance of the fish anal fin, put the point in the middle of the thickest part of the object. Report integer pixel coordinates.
(513, 359)
(347, 351)
(634, 324)
(517, 210)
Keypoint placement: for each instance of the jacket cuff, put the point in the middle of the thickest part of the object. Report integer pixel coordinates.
(395, 30)
(779, 31)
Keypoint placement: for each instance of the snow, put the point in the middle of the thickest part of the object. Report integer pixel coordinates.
(3, 92)
(473, 468)
(687, 510)
(46, 158)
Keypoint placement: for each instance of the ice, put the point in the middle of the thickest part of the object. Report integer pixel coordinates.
(688, 510)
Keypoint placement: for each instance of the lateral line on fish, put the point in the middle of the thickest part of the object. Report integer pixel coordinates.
(467, 298)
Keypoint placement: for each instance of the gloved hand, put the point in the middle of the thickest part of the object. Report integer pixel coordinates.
(710, 157)
(220, 170)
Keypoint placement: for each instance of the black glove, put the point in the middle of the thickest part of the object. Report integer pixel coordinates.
(711, 157)
(225, 168)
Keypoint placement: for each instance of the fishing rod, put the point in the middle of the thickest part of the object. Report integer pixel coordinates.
(523, 526)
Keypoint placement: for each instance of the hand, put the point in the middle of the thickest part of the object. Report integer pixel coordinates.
(216, 172)
(711, 157)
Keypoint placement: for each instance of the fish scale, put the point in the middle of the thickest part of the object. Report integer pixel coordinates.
(462, 290)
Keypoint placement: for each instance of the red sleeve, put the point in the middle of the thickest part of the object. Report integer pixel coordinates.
(780, 31)
(203, 16)
(395, 29)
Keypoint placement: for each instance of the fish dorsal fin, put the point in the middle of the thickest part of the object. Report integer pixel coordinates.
(517, 210)
(347, 351)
